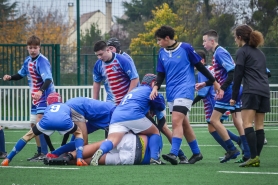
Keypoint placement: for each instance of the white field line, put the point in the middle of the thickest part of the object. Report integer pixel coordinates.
(34, 167)
(261, 173)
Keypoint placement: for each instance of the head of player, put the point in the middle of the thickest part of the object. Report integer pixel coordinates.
(202, 55)
(102, 51)
(54, 98)
(210, 40)
(149, 79)
(114, 45)
(165, 36)
(33, 46)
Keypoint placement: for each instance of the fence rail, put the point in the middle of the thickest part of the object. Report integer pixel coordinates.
(15, 104)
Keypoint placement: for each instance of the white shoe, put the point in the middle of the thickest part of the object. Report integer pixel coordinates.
(96, 157)
(265, 141)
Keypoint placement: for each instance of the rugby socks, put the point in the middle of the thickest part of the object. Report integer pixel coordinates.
(39, 149)
(181, 154)
(154, 146)
(219, 140)
(194, 147)
(17, 148)
(252, 141)
(230, 145)
(2, 140)
(233, 137)
(44, 149)
(260, 140)
(79, 142)
(106, 146)
(72, 138)
(245, 146)
(65, 148)
(176, 144)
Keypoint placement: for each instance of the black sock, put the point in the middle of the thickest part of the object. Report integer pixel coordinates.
(252, 141)
(260, 140)
(49, 144)
(65, 139)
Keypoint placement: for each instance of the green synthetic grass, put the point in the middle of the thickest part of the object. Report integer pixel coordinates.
(207, 171)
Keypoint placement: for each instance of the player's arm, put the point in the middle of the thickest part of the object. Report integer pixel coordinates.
(197, 99)
(133, 84)
(96, 89)
(158, 103)
(238, 75)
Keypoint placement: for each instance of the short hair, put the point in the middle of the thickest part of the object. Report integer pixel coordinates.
(100, 45)
(33, 40)
(212, 34)
(248, 35)
(165, 31)
(202, 54)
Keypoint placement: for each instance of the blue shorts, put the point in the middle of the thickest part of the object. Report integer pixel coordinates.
(39, 108)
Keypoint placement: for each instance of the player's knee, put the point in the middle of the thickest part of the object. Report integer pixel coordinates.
(29, 135)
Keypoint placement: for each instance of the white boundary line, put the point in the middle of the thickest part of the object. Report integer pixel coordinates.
(261, 173)
(33, 167)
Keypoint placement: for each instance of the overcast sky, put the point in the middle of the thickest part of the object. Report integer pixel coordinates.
(85, 5)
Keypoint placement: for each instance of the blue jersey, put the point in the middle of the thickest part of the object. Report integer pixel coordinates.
(116, 76)
(158, 113)
(37, 72)
(136, 104)
(95, 111)
(222, 63)
(56, 116)
(178, 66)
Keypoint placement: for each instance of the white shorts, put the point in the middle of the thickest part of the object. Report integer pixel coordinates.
(180, 102)
(50, 131)
(136, 126)
(33, 118)
(124, 153)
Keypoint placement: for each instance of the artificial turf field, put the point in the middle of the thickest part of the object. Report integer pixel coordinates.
(207, 171)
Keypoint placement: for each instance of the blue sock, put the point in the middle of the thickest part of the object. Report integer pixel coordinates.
(154, 146)
(17, 148)
(247, 153)
(230, 145)
(219, 140)
(176, 144)
(79, 142)
(181, 154)
(39, 149)
(2, 141)
(106, 146)
(72, 138)
(70, 146)
(44, 149)
(233, 137)
(194, 147)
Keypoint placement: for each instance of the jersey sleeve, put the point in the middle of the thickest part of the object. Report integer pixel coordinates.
(44, 69)
(128, 67)
(158, 104)
(160, 67)
(225, 60)
(204, 91)
(193, 57)
(240, 57)
(97, 77)
(22, 72)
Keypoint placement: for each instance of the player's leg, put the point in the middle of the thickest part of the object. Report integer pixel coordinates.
(3, 153)
(259, 127)
(19, 146)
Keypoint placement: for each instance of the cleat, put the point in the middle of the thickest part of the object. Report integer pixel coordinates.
(221, 158)
(170, 158)
(61, 160)
(51, 156)
(81, 162)
(156, 161)
(251, 162)
(3, 155)
(242, 160)
(230, 155)
(37, 157)
(5, 162)
(194, 158)
(265, 141)
(183, 160)
(96, 157)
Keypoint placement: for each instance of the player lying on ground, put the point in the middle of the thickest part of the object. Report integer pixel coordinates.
(57, 116)
(132, 150)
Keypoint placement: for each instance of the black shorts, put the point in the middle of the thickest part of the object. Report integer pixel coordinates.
(224, 110)
(260, 104)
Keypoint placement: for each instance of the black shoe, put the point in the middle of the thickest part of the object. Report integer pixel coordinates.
(36, 157)
(183, 160)
(230, 155)
(170, 158)
(195, 158)
(61, 160)
(3, 155)
(156, 161)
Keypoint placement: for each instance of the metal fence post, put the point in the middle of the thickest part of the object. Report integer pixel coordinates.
(57, 64)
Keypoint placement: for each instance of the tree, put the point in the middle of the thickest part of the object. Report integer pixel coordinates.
(12, 25)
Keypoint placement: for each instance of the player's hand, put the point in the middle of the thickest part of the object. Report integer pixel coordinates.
(219, 95)
(199, 86)
(6, 77)
(37, 95)
(153, 93)
(232, 102)
(216, 86)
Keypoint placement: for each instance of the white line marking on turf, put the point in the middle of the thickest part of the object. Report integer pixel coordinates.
(33, 167)
(261, 173)
(267, 146)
